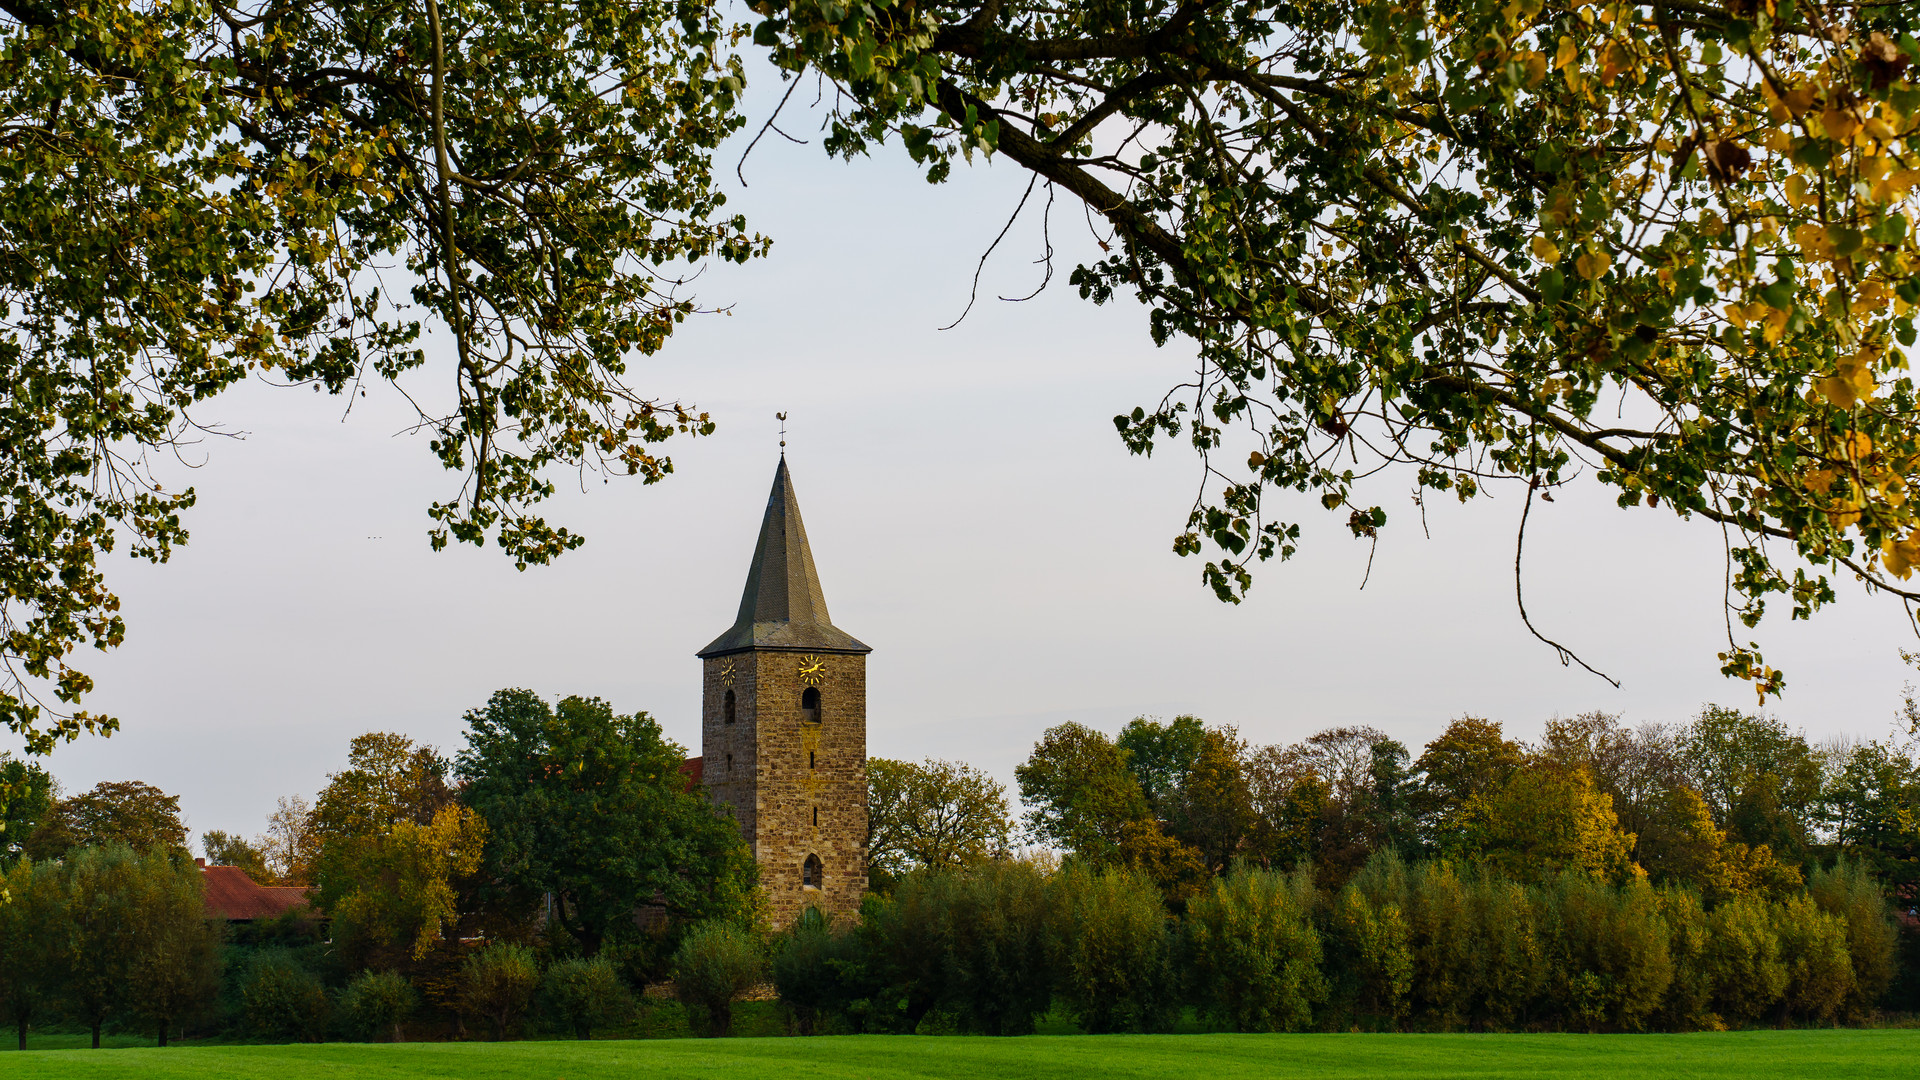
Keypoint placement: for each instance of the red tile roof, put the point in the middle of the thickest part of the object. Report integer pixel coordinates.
(232, 895)
(694, 768)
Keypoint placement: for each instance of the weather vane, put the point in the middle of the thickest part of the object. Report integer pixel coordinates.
(782, 417)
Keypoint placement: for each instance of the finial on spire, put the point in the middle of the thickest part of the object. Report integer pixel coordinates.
(782, 417)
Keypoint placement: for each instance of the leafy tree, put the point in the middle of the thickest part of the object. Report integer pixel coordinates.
(1813, 947)
(101, 903)
(227, 849)
(129, 812)
(1748, 974)
(716, 963)
(1109, 948)
(1544, 821)
(1370, 957)
(1454, 237)
(1466, 764)
(1161, 755)
(936, 814)
(1212, 810)
(175, 969)
(1609, 961)
(395, 895)
(1291, 804)
(1761, 781)
(585, 994)
(1079, 793)
(26, 797)
(379, 1003)
(592, 808)
(1873, 807)
(290, 844)
(1254, 953)
(1851, 894)
(498, 982)
(303, 192)
(34, 942)
(999, 980)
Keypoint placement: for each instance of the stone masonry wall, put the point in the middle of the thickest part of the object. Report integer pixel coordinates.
(797, 788)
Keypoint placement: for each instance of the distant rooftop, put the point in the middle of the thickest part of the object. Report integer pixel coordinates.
(235, 897)
(782, 607)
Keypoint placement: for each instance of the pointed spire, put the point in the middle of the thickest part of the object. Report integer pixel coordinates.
(782, 607)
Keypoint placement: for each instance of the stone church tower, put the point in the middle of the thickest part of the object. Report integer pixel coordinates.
(784, 725)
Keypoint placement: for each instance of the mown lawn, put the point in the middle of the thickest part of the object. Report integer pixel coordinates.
(1830, 1055)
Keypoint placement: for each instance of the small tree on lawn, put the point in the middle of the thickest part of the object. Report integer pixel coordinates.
(498, 983)
(586, 994)
(101, 898)
(33, 941)
(175, 969)
(379, 1002)
(717, 962)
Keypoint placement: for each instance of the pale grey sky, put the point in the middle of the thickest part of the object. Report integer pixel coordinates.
(974, 517)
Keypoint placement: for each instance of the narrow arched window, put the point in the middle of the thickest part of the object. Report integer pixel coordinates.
(727, 708)
(811, 872)
(816, 817)
(810, 705)
(729, 762)
(809, 759)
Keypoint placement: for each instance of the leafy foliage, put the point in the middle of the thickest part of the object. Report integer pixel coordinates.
(592, 807)
(302, 192)
(585, 994)
(716, 963)
(933, 814)
(124, 812)
(498, 982)
(378, 1003)
(1663, 245)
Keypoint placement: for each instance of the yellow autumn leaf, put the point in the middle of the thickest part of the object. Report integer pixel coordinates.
(1565, 54)
(1545, 249)
(1837, 390)
(1776, 326)
(1593, 264)
(1840, 123)
(1797, 190)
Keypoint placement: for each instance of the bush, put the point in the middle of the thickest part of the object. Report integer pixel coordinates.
(1446, 969)
(1609, 960)
(1109, 949)
(1813, 948)
(498, 982)
(378, 1003)
(805, 972)
(585, 994)
(1511, 968)
(1255, 957)
(281, 1000)
(716, 963)
(1851, 893)
(1742, 959)
(1688, 1005)
(1371, 957)
(1001, 980)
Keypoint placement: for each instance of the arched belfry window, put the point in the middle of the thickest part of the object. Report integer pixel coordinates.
(810, 705)
(811, 872)
(726, 708)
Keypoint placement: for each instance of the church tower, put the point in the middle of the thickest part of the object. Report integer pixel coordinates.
(784, 725)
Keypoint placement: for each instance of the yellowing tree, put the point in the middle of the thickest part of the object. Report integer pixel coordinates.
(1544, 821)
(403, 894)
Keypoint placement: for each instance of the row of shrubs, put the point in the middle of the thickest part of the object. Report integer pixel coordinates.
(497, 985)
(1430, 946)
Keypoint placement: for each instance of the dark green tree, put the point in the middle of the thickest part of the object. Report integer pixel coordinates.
(129, 812)
(591, 807)
(101, 900)
(1160, 755)
(1761, 781)
(175, 973)
(1079, 793)
(34, 942)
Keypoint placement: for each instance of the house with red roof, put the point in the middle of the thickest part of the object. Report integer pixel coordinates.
(233, 896)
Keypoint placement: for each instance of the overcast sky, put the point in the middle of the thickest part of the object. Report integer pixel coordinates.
(974, 517)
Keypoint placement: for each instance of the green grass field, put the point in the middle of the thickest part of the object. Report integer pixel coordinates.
(1828, 1055)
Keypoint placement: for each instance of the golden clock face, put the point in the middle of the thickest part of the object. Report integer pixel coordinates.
(812, 670)
(726, 674)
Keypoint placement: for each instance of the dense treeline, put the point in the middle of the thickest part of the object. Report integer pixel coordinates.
(1429, 946)
(1723, 872)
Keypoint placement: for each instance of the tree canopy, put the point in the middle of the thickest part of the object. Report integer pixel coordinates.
(591, 807)
(1666, 244)
(196, 193)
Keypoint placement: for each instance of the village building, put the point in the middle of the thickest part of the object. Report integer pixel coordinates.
(231, 895)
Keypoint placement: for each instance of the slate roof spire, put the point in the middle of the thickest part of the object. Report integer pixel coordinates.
(782, 606)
